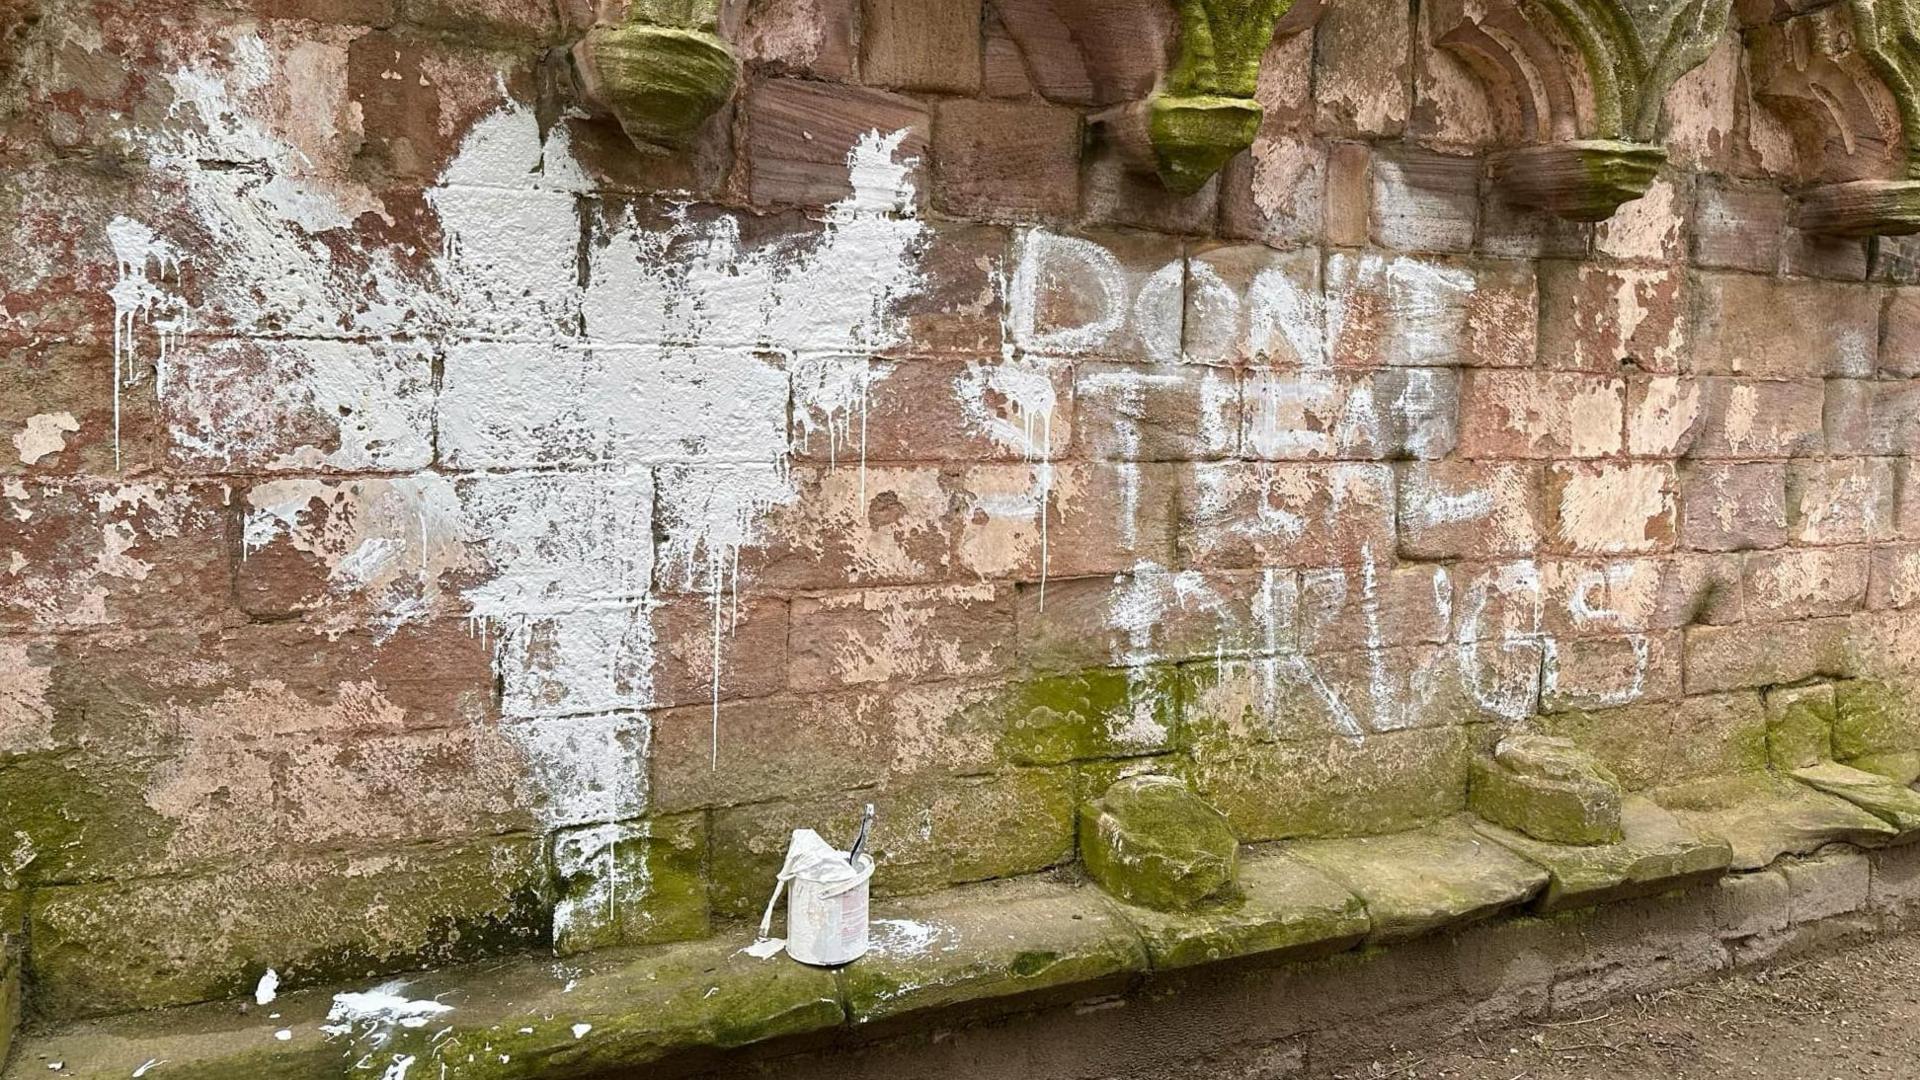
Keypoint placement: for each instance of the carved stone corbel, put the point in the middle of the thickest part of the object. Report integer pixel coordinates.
(1180, 100)
(658, 67)
(1845, 81)
(1576, 88)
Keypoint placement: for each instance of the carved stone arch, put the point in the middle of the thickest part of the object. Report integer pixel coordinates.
(1176, 78)
(1576, 89)
(1844, 81)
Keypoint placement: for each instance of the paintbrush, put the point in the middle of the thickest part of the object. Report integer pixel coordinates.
(860, 842)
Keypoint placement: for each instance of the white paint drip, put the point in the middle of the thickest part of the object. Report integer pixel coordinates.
(680, 351)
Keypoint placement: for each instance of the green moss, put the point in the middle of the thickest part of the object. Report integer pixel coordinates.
(1387, 782)
(1872, 717)
(1548, 789)
(1194, 137)
(321, 920)
(1800, 726)
(1900, 766)
(1085, 715)
(1151, 841)
(660, 83)
(84, 819)
(1221, 43)
(638, 883)
(679, 14)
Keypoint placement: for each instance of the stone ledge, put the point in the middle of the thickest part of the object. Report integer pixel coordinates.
(946, 958)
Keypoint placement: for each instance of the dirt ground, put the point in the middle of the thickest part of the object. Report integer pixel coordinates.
(1835, 1017)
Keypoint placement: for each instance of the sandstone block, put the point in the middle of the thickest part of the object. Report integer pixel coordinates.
(925, 46)
(1773, 328)
(1547, 788)
(1526, 414)
(1468, 509)
(1799, 726)
(1610, 509)
(1151, 841)
(1737, 225)
(597, 868)
(1731, 507)
(1840, 500)
(1831, 883)
(1594, 318)
(1726, 657)
(1802, 583)
(1006, 160)
(1750, 418)
(1414, 882)
(1406, 311)
(800, 133)
(1424, 201)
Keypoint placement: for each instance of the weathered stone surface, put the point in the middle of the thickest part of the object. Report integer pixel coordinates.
(1547, 788)
(145, 944)
(1413, 882)
(1799, 726)
(1340, 786)
(1655, 854)
(1872, 717)
(990, 948)
(635, 883)
(1149, 840)
(611, 1011)
(661, 83)
(1891, 801)
(1283, 910)
(1763, 817)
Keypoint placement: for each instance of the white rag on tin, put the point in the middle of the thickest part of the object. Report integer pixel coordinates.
(813, 858)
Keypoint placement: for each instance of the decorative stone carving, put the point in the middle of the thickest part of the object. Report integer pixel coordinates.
(1845, 82)
(660, 69)
(1576, 87)
(1179, 91)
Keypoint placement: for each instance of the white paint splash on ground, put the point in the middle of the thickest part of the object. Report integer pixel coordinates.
(373, 1015)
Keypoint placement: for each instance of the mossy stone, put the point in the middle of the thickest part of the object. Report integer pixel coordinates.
(682, 14)
(1085, 715)
(1800, 726)
(1414, 882)
(1896, 804)
(1763, 816)
(1549, 789)
(1656, 853)
(988, 948)
(321, 919)
(1281, 910)
(1151, 841)
(1386, 782)
(634, 883)
(1581, 181)
(1900, 766)
(1872, 717)
(660, 83)
(1194, 137)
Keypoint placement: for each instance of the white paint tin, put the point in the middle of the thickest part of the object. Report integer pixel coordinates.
(827, 917)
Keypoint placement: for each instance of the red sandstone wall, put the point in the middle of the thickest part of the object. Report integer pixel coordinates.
(431, 521)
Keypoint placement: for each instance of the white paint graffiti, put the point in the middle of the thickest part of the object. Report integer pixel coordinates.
(681, 349)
